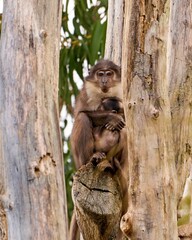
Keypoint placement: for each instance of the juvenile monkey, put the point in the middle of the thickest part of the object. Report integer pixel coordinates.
(103, 81)
(109, 142)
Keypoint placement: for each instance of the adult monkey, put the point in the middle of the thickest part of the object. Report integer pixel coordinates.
(103, 82)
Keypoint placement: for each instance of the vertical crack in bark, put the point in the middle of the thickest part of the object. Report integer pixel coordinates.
(31, 41)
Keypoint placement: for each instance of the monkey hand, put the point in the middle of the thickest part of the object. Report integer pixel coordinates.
(116, 123)
(97, 158)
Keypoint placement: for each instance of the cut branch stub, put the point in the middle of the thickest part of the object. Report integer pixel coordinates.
(98, 202)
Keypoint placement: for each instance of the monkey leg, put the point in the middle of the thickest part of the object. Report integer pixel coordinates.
(82, 142)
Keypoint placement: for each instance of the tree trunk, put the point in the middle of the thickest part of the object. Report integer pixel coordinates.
(180, 86)
(32, 198)
(113, 46)
(157, 124)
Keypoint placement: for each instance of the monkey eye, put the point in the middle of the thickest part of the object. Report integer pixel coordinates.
(109, 73)
(100, 73)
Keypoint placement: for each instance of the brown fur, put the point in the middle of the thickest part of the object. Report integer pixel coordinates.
(108, 139)
(95, 88)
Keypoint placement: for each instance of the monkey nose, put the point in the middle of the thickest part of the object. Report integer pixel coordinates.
(104, 80)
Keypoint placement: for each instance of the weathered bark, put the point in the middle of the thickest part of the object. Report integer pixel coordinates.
(97, 198)
(32, 198)
(152, 173)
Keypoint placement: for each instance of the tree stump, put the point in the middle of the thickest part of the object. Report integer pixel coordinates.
(97, 198)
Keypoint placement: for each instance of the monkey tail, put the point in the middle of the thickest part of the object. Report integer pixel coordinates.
(74, 229)
(113, 151)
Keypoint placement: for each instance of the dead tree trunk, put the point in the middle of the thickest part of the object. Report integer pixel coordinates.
(153, 87)
(32, 198)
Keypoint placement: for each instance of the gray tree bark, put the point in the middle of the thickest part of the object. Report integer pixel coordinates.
(32, 197)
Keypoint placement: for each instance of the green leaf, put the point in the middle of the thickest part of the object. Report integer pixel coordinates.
(96, 41)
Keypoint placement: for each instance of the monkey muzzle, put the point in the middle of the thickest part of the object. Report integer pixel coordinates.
(104, 84)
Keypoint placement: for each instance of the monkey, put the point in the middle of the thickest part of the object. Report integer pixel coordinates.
(104, 140)
(103, 81)
(111, 144)
(99, 119)
(107, 139)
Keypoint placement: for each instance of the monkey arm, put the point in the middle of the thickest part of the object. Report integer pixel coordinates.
(111, 121)
(82, 142)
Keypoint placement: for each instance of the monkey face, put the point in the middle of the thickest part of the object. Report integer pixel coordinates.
(104, 75)
(105, 78)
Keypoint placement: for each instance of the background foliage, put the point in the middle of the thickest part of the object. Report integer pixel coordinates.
(82, 43)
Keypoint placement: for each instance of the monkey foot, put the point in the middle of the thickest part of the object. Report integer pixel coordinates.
(97, 158)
